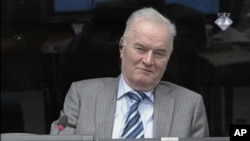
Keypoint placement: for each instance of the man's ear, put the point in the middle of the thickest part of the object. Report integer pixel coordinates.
(121, 43)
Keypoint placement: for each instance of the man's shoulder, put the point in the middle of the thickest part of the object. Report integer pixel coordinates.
(94, 85)
(178, 90)
(102, 80)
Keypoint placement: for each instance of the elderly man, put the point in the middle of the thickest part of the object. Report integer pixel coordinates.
(137, 104)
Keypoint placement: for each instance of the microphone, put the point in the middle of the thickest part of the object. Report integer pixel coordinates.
(63, 121)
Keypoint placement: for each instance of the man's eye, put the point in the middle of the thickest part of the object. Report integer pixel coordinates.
(140, 49)
(160, 54)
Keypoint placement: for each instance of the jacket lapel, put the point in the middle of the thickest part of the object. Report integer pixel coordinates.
(163, 111)
(105, 110)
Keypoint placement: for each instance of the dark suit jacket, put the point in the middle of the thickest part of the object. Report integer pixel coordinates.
(90, 106)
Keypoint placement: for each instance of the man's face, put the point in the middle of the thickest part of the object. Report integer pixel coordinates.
(145, 54)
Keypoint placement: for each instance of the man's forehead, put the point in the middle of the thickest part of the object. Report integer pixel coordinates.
(159, 48)
(145, 23)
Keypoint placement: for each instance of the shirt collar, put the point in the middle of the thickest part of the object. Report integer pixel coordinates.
(124, 88)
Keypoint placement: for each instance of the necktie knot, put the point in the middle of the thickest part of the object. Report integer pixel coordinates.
(137, 96)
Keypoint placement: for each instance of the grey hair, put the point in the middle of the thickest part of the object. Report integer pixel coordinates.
(151, 15)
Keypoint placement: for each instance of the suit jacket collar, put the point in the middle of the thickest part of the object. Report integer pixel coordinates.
(106, 106)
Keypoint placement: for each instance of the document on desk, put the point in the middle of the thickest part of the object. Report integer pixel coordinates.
(226, 58)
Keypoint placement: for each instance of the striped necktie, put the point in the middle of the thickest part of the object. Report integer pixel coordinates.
(133, 124)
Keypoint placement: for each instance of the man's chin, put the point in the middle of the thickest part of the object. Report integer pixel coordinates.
(143, 80)
(144, 84)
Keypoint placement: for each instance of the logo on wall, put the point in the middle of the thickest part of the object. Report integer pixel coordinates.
(223, 21)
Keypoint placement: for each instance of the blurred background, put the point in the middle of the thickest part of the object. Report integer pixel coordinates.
(48, 44)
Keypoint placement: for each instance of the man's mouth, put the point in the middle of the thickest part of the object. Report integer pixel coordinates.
(146, 70)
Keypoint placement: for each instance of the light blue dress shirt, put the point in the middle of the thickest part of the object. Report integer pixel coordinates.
(122, 107)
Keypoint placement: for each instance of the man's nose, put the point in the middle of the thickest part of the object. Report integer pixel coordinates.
(148, 58)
